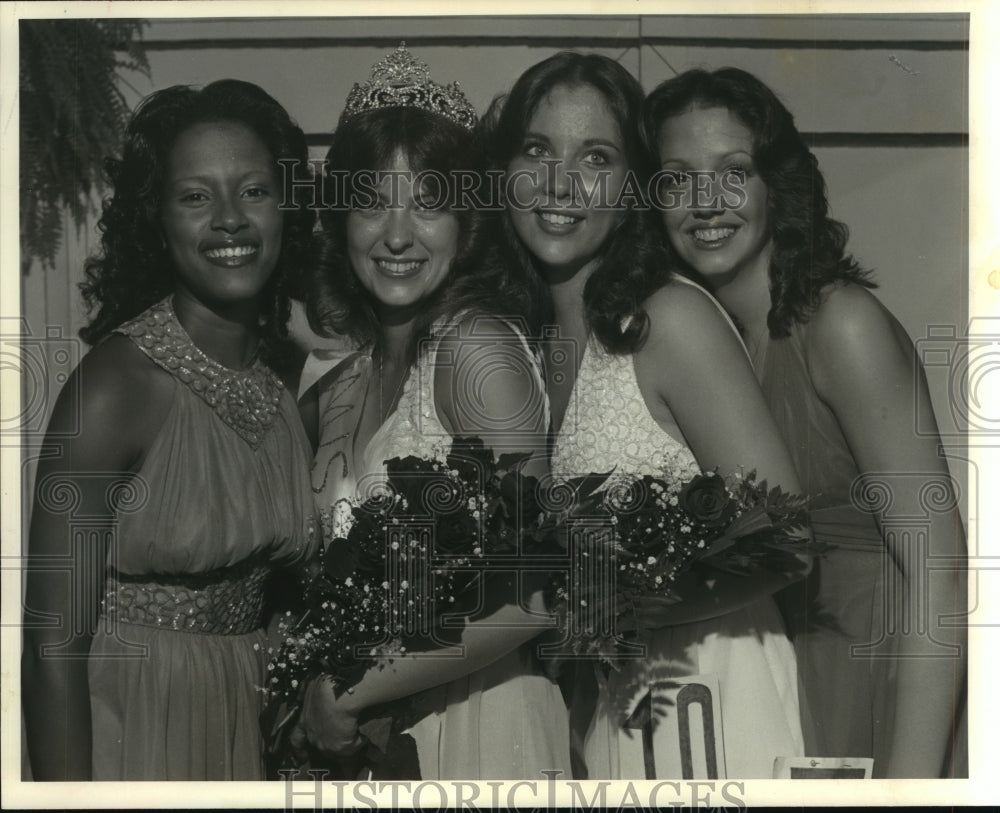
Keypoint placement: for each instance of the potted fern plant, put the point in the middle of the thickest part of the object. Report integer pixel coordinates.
(73, 114)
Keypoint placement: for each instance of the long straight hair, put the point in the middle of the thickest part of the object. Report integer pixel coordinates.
(634, 262)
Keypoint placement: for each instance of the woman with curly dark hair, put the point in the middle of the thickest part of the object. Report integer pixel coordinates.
(436, 352)
(180, 442)
(660, 386)
(841, 380)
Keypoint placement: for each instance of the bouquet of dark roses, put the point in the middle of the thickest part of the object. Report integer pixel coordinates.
(406, 569)
(660, 529)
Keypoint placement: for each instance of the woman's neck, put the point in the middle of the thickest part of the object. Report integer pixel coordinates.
(748, 298)
(229, 335)
(571, 322)
(397, 338)
(567, 303)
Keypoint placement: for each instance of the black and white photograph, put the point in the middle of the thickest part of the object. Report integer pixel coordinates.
(425, 406)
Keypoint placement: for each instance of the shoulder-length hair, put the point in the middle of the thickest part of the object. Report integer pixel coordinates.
(809, 246)
(132, 269)
(363, 145)
(634, 263)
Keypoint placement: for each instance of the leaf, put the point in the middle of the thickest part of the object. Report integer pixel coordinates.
(378, 731)
(586, 486)
(73, 114)
(276, 722)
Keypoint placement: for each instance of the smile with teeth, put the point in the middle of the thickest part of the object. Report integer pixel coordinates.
(229, 252)
(399, 266)
(557, 219)
(713, 235)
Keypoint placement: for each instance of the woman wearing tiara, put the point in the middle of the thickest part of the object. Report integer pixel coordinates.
(412, 284)
(183, 457)
(662, 386)
(839, 376)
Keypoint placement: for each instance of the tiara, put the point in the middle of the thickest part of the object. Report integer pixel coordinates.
(401, 80)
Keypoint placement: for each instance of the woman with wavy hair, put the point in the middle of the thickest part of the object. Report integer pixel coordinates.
(661, 386)
(179, 440)
(840, 378)
(436, 352)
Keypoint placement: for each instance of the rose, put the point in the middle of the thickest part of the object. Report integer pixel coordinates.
(456, 533)
(707, 501)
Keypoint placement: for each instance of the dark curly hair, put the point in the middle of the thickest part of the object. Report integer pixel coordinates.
(634, 262)
(132, 270)
(809, 246)
(366, 143)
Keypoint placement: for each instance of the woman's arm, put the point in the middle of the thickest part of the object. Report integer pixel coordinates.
(97, 427)
(330, 723)
(485, 385)
(695, 366)
(864, 368)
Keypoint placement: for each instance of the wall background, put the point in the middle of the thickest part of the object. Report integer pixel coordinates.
(883, 99)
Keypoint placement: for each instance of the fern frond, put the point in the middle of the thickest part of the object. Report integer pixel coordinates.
(73, 114)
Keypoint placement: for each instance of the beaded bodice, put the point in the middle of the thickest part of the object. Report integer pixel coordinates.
(225, 492)
(245, 400)
(608, 427)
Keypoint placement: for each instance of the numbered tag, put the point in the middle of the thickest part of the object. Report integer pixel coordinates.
(822, 768)
(675, 730)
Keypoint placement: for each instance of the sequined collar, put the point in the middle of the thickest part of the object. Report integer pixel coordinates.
(245, 400)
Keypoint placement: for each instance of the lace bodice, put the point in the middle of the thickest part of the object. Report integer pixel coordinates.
(342, 472)
(608, 427)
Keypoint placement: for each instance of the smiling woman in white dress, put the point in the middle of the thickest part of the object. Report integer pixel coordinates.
(661, 383)
(415, 288)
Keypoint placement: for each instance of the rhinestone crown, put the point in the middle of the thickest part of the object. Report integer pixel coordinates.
(401, 80)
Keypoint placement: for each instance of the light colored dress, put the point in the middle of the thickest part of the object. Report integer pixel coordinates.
(744, 658)
(851, 696)
(223, 497)
(505, 721)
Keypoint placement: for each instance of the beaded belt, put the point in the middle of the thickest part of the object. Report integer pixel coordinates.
(226, 601)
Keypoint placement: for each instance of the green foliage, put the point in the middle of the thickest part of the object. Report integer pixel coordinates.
(73, 114)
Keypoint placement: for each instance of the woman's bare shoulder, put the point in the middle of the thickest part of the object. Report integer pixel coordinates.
(117, 369)
(853, 341)
(683, 315)
(116, 395)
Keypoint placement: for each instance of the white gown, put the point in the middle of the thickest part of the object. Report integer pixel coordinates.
(505, 721)
(744, 659)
